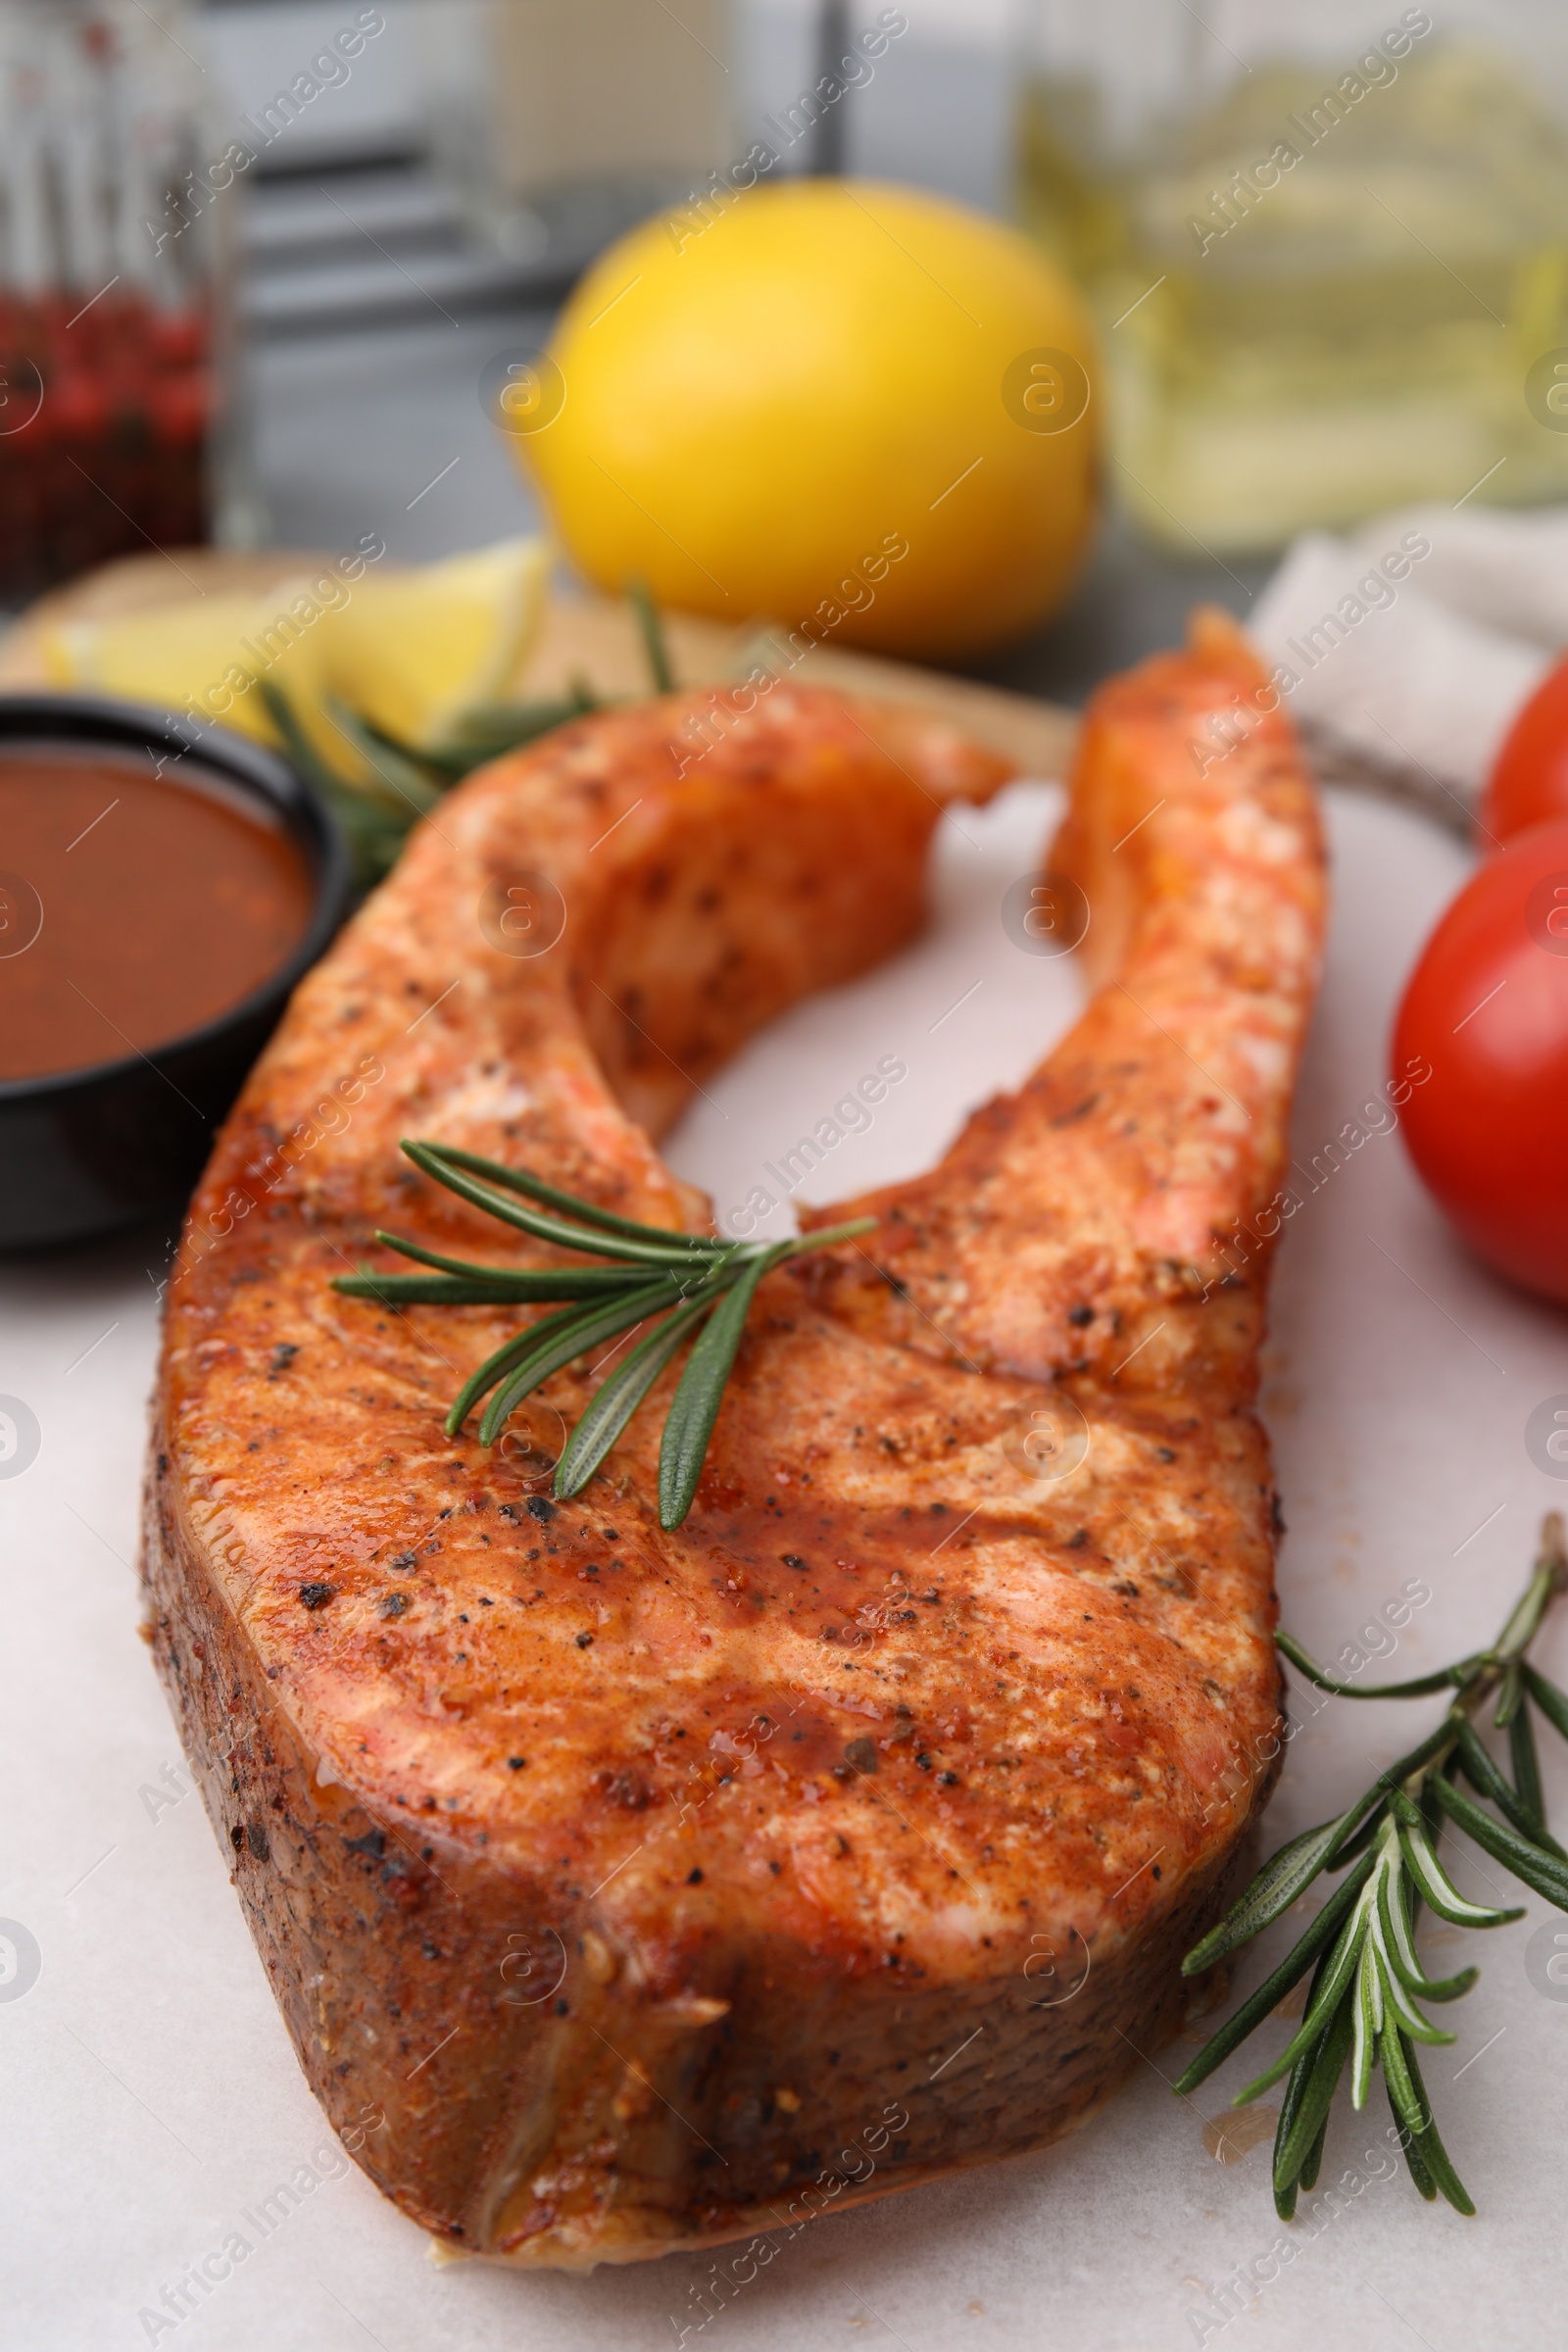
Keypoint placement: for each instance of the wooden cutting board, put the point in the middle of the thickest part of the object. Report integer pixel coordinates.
(589, 636)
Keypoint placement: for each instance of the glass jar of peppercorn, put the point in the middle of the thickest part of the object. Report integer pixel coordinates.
(110, 289)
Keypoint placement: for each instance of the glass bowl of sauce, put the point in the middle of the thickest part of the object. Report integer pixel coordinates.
(162, 889)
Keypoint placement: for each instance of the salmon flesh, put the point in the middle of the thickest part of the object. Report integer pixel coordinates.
(625, 1889)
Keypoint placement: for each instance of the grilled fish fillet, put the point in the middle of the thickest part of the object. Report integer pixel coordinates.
(624, 1889)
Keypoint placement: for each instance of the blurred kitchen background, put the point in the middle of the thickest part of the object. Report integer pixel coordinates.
(424, 180)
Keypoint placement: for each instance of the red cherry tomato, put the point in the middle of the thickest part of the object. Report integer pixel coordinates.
(1487, 1011)
(1529, 781)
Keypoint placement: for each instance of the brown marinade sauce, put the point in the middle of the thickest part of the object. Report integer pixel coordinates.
(133, 907)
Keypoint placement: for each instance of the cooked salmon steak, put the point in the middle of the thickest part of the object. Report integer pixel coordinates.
(625, 1889)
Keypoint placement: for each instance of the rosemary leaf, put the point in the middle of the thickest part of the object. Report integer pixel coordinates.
(1510, 1695)
(483, 734)
(1449, 1989)
(1410, 2109)
(304, 754)
(1275, 1985)
(436, 766)
(1400, 1953)
(1357, 1839)
(1545, 1874)
(499, 1363)
(823, 1237)
(587, 1329)
(503, 726)
(534, 1282)
(1421, 2178)
(1337, 1991)
(1438, 1891)
(1487, 1780)
(582, 1212)
(1425, 2186)
(1422, 1753)
(1443, 1680)
(1290, 2108)
(1306, 2179)
(375, 833)
(622, 1393)
(1366, 2020)
(675, 1249)
(1274, 1889)
(1552, 1702)
(446, 1290)
(400, 778)
(640, 596)
(1399, 2010)
(1331, 2050)
(1433, 2155)
(689, 1423)
(1525, 1765)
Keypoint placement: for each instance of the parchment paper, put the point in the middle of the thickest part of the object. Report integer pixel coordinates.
(152, 2104)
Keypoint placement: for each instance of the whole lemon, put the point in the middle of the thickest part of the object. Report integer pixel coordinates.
(824, 400)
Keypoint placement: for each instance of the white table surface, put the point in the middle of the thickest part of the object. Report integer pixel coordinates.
(151, 2097)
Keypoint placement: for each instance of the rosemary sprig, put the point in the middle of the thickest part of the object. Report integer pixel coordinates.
(640, 596)
(1363, 2008)
(686, 1285)
(404, 783)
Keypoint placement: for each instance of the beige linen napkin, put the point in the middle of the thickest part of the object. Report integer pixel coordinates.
(1413, 641)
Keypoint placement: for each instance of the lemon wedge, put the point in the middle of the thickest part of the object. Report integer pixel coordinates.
(409, 651)
(412, 651)
(187, 657)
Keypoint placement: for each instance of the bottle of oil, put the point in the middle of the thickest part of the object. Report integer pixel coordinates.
(1331, 270)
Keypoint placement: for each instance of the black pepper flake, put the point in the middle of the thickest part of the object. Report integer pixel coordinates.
(583, 1641)
(405, 1559)
(394, 1605)
(694, 1877)
(516, 1763)
(861, 1753)
(317, 1597)
(373, 1843)
(924, 1761)
(948, 1779)
(541, 1506)
(792, 1559)
(1080, 1315)
(282, 1356)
